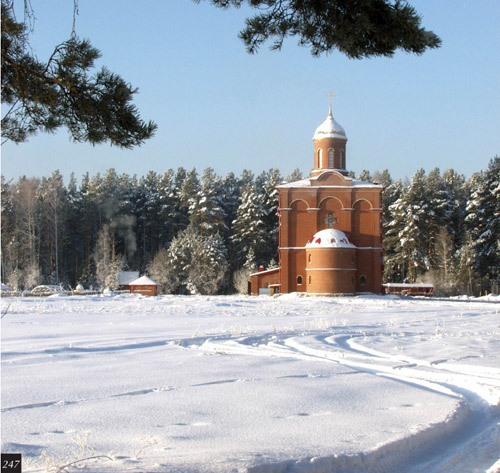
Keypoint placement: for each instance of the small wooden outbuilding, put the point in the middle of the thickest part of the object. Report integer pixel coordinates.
(145, 286)
(403, 289)
(125, 278)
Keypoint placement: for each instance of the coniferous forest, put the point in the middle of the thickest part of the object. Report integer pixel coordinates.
(204, 233)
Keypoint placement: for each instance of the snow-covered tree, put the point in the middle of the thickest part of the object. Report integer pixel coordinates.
(147, 211)
(32, 276)
(365, 175)
(443, 274)
(199, 261)
(188, 190)
(454, 211)
(466, 275)
(169, 206)
(250, 264)
(229, 193)
(163, 272)
(241, 279)
(53, 203)
(73, 250)
(436, 202)
(209, 266)
(205, 209)
(270, 197)
(22, 244)
(390, 194)
(483, 220)
(273, 264)
(249, 231)
(408, 232)
(107, 264)
(247, 179)
(444, 251)
(383, 178)
(295, 175)
(8, 229)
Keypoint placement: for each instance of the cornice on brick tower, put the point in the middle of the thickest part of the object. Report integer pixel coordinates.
(329, 146)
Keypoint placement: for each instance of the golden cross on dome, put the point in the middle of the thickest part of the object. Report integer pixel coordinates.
(330, 95)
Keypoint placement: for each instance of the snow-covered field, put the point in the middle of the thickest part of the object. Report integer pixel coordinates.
(230, 383)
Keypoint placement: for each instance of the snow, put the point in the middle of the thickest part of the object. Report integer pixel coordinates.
(311, 183)
(143, 281)
(259, 384)
(330, 129)
(393, 284)
(329, 238)
(267, 271)
(47, 289)
(126, 277)
(357, 183)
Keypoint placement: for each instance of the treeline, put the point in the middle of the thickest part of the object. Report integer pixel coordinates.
(443, 229)
(204, 233)
(83, 233)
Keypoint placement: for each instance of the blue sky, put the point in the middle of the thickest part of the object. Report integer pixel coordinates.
(217, 106)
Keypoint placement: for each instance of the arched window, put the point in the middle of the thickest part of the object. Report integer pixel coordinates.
(320, 158)
(299, 280)
(309, 259)
(362, 280)
(330, 158)
(310, 279)
(342, 159)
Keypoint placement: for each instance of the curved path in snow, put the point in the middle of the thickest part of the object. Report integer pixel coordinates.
(468, 441)
(366, 384)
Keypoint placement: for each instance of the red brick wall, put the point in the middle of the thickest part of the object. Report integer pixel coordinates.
(331, 270)
(357, 211)
(325, 144)
(263, 280)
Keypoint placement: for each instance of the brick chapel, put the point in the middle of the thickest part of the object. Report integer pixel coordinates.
(329, 227)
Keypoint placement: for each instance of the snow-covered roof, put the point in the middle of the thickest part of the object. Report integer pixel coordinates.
(267, 271)
(47, 289)
(143, 281)
(356, 183)
(329, 129)
(313, 182)
(402, 284)
(301, 183)
(329, 238)
(126, 277)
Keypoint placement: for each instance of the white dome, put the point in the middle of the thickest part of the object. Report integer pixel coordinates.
(329, 238)
(329, 129)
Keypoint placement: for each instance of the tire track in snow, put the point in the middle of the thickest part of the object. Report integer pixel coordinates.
(474, 428)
